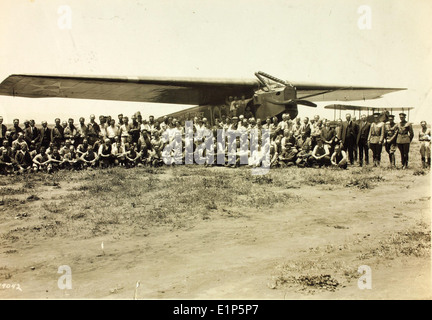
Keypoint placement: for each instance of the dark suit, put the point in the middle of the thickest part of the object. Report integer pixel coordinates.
(349, 138)
(15, 131)
(32, 134)
(45, 137)
(362, 141)
(3, 130)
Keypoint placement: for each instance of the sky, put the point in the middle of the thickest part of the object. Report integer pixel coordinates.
(326, 42)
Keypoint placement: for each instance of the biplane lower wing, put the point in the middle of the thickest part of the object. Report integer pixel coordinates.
(167, 90)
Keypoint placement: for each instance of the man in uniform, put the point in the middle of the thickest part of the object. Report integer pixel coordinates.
(390, 139)
(405, 134)
(376, 138)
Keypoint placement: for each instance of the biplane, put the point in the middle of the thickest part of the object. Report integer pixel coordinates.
(369, 111)
(265, 96)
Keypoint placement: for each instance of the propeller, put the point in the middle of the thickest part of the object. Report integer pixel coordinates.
(294, 101)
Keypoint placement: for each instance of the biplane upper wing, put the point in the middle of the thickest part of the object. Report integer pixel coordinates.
(166, 90)
(366, 108)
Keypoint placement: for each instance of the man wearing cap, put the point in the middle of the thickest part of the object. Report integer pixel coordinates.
(405, 134)
(390, 134)
(376, 138)
(362, 139)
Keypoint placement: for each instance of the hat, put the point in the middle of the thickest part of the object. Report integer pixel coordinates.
(235, 118)
(391, 116)
(402, 114)
(204, 119)
(376, 114)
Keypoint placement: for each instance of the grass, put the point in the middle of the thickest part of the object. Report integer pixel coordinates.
(330, 267)
(93, 202)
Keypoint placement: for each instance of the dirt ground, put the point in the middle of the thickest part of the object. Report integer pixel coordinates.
(230, 253)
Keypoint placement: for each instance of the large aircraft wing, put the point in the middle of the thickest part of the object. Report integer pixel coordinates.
(166, 90)
(338, 93)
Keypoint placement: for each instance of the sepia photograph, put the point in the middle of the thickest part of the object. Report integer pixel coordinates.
(226, 151)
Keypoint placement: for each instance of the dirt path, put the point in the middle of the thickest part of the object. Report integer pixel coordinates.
(234, 254)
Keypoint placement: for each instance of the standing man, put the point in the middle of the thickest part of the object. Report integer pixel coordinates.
(16, 129)
(376, 138)
(57, 133)
(81, 131)
(3, 130)
(32, 135)
(45, 136)
(390, 134)
(425, 145)
(405, 134)
(71, 133)
(362, 140)
(93, 130)
(349, 136)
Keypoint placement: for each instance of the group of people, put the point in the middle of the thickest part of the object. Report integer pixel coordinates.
(140, 142)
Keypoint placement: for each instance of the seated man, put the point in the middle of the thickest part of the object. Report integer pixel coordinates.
(132, 156)
(320, 154)
(56, 161)
(155, 154)
(106, 158)
(70, 159)
(89, 159)
(119, 152)
(339, 158)
(23, 160)
(68, 146)
(6, 165)
(82, 148)
(304, 157)
(288, 155)
(19, 141)
(41, 161)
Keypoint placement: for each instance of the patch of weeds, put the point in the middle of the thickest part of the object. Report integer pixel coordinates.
(359, 183)
(409, 243)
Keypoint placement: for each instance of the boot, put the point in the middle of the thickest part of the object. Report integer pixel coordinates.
(428, 162)
(424, 165)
